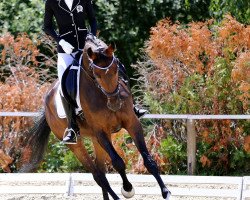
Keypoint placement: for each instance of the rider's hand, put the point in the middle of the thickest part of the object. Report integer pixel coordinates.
(90, 36)
(67, 47)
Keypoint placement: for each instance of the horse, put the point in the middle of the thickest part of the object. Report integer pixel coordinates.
(107, 104)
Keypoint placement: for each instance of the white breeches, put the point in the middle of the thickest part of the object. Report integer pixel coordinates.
(63, 61)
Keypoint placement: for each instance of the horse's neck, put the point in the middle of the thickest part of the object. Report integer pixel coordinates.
(90, 94)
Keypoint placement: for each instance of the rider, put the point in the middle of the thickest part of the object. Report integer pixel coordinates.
(70, 18)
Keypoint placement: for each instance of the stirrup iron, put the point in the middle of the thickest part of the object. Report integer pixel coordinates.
(70, 136)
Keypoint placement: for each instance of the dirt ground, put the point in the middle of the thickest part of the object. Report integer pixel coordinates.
(147, 186)
(97, 197)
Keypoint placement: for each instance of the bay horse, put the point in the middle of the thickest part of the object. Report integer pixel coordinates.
(108, 106)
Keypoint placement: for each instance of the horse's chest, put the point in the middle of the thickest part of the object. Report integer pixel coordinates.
(106, 121)
(93, 102)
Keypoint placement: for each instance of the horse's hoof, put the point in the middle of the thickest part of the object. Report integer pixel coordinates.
(126, 194)
(166, 194)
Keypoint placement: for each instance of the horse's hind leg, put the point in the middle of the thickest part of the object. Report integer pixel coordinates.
(118, 164)
(136, 133)
(82, 155)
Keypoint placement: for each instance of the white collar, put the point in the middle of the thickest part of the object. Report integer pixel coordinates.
(69, 3)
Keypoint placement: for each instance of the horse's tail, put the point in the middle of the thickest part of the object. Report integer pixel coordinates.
(37, 141)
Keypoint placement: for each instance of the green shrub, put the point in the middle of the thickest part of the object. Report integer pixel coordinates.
(59, 158)
(176, 156)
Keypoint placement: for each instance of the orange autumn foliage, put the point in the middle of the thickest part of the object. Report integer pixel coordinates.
(179, 52)
(22, 88)
(202, 68)
(240, 75)
(205, 161)
(247, 144)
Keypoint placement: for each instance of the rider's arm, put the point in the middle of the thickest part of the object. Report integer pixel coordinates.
(48, 22)
(91, 17)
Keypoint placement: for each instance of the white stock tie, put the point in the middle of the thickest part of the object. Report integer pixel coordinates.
(69, 3)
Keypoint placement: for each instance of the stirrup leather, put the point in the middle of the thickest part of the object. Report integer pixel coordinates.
(81, 115)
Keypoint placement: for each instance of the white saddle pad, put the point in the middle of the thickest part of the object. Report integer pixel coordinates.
(58, 100)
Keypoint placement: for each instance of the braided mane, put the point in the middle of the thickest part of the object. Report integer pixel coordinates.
(95, 43)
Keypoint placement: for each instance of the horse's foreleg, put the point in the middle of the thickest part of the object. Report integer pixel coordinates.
(118, 164)
(82, 155)
(136, 133)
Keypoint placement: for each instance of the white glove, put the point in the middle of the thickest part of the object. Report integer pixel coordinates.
(67, 47)
(91, 36)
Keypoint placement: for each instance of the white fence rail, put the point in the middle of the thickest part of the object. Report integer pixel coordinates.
(147, 116)
(191, 133)
(70, 184)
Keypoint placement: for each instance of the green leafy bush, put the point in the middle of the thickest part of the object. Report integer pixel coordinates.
(59, 158)
(176, 156)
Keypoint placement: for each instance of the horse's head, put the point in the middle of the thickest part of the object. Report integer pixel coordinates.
(104, 67)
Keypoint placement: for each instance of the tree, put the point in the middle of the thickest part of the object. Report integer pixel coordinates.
(128, 23)
(240, 9)
(23, 84)
(19, 16)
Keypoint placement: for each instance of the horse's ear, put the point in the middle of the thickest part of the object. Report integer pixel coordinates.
(111, 49)
(91, 54)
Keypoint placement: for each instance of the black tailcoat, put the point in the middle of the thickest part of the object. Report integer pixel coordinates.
(70, 23)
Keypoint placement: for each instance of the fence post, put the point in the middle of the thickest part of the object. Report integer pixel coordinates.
(191, 147)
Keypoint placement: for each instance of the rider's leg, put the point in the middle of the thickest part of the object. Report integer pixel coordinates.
(123, 74)
(63, 61)
(72, 131)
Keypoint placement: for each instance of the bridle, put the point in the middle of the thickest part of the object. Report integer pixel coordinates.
(92, 65)
(109, 95)
(117, 89)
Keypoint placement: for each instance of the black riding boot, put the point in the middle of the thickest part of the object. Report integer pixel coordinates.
(72, 132)
(123, 74)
